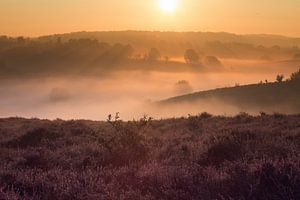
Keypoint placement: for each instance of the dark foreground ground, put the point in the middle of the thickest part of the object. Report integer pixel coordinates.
(201, 157)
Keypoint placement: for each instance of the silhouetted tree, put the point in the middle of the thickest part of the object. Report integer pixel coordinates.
(118, 52)
(153, 55)
(137, 56)
(128, 51)
(279, 78)
(212, 61)
(297, 56)
(276, 47)
(3, 37)
(191, 56)
(182, 87)
(58, 41)
(21, 39)
(167, 59)
(295, 76)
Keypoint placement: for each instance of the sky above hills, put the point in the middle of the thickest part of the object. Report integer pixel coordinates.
(42, 17)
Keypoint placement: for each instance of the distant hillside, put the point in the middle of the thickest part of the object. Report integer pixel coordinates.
(149, 37)
(169, 44)
(220, 44)
(269, 97)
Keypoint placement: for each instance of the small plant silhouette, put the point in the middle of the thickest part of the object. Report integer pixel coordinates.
(295, 76)
(127, 142)
(279, 78)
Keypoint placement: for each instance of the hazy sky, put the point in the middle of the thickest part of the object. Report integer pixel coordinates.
(40, 17)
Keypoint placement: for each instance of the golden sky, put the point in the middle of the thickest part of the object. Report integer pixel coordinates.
(42, 17)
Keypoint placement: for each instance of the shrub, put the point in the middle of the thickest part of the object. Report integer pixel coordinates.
(279, 78)
(242, 157)
(35, 159)
(194, 123)
(33, 138)
(295, 76)
(278, 115)
(205, 115)
(243, 117)
(220, 150)
(128, 142)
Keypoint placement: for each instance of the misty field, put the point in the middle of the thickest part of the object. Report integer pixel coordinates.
(197, 157)
(86, 75)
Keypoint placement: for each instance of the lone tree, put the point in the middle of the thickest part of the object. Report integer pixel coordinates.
(182, 87)
(279, 78)
(212, 61)
(153, 55)
(191, 56)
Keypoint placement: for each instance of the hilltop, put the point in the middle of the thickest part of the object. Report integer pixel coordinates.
(220, 44)
(154, 37)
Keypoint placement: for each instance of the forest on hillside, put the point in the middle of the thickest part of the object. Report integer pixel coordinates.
(210, 43)
(94, 53)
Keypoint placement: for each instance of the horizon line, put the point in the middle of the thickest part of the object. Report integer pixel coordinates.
(153, 31)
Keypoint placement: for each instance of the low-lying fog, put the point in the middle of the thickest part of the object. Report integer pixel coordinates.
(127, 92)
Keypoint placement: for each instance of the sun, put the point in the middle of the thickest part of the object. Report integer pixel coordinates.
(168, 5)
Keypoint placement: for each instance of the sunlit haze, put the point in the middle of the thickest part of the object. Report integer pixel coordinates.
(86, 59)
(43, 17)
(168, 5)
(149, 99)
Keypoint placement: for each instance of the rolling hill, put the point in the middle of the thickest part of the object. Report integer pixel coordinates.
(154, 37)
(221, 44)
(268, 97)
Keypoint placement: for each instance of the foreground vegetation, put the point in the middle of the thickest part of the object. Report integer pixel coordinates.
(199, 157)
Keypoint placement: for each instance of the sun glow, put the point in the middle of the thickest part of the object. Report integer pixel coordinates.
(168, 5)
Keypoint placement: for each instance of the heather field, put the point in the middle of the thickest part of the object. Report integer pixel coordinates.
(196, 157)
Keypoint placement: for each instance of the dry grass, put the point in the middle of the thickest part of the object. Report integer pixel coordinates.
(199, 157)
